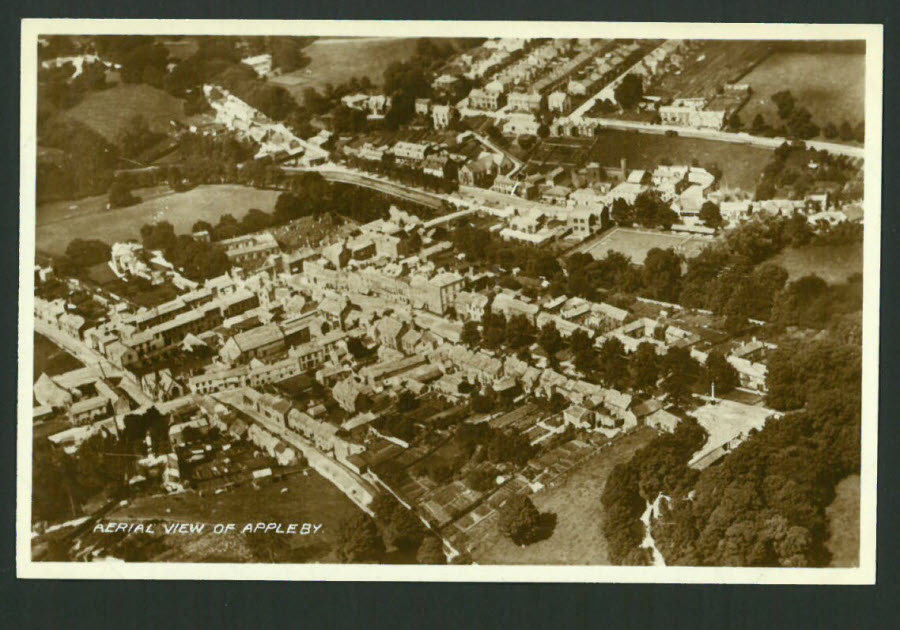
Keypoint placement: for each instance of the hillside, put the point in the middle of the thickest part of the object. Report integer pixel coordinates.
(108, 111)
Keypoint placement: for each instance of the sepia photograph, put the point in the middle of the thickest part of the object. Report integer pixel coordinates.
(449, 301)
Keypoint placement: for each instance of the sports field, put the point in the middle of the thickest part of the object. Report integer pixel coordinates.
(830, 85)
(60, 222)
(636, 243)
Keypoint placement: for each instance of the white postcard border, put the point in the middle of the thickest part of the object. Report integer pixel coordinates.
(864, 574)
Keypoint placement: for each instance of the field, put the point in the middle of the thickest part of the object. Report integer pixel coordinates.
(843, 522)
(636, 243)
(337, 60)
(310, 499)
(108, 111)
(830, 85)
(60, 222)
(740, 164)
(722, 62)
(51, 359)
(833, 264)
(578, 537)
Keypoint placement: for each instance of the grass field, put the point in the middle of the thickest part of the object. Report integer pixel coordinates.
(830, 85)
(741, 164)
(108, 111)
(843, 523)
(833, 264)
(60, 222)
(578, 537)
(310, 499)
(337, 60)
(636, 243)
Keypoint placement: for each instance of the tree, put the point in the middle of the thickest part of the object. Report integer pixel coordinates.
(405, 530)
(431, 551)
(159, 235)
(519, 519)
(120, 195)
(135, 137)
(734, 122)
(710, 215)
(846, 131)
(493, 337)
(202, 226)
(721, 373)
(680, 374)
(358, 540)
(613, 365)
(519, 332)
(550, 339)
(82, 254)
(629, 91)
(622, 212)
(471, 336)
(830, 130)
(645, 367)
(662, 274)
(784, 101)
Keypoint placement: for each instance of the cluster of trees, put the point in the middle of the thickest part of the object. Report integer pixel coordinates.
(521, 522)
(360, 540)
(197, 259)
(481, 246)
(789, 168)
(764, 505)
(658, 468)
(629, 91)
(81, 254)
(796, 122)
(648, 210)
(59, 88)
(64, 484)
(84, 165)
(730, 277)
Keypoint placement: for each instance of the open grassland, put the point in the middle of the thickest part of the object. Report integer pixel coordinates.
(575, 499)
(832, 264)
(337, 60)
(740, 164)
(843, 524)
(109, 111)
(60, 222)
(636, 243)
(830, 85)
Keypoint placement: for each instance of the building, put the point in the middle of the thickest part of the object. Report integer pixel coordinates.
(480, 99)
(436, 294)
(470, 306)
(558, 102)
(422, 105)
(510, 307)
(250, 248)
(479, 172)
(442, 116)
(261, 64)
(521, 124)
(524, 101)
(690, 113)
(410, 151)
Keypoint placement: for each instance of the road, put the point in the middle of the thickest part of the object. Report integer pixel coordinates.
(727, 136)
(88, 356)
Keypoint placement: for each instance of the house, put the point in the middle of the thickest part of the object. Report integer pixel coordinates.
(521, 124)
(442, 115)
(436, 294)
(558, 102)
(388, 331)
(583, 223)
(350, 394)
(422, 105)
(510, 307)
(524, 102)
(470, 306)
(410, 151)
(578, 417)
(481, 99)
(479, 172)
(434, 165)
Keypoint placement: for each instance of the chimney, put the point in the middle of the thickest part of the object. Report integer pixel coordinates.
(624, 169)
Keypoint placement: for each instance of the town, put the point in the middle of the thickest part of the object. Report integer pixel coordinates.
(455, 308)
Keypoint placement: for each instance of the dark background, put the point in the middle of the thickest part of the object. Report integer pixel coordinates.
(67, 604)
